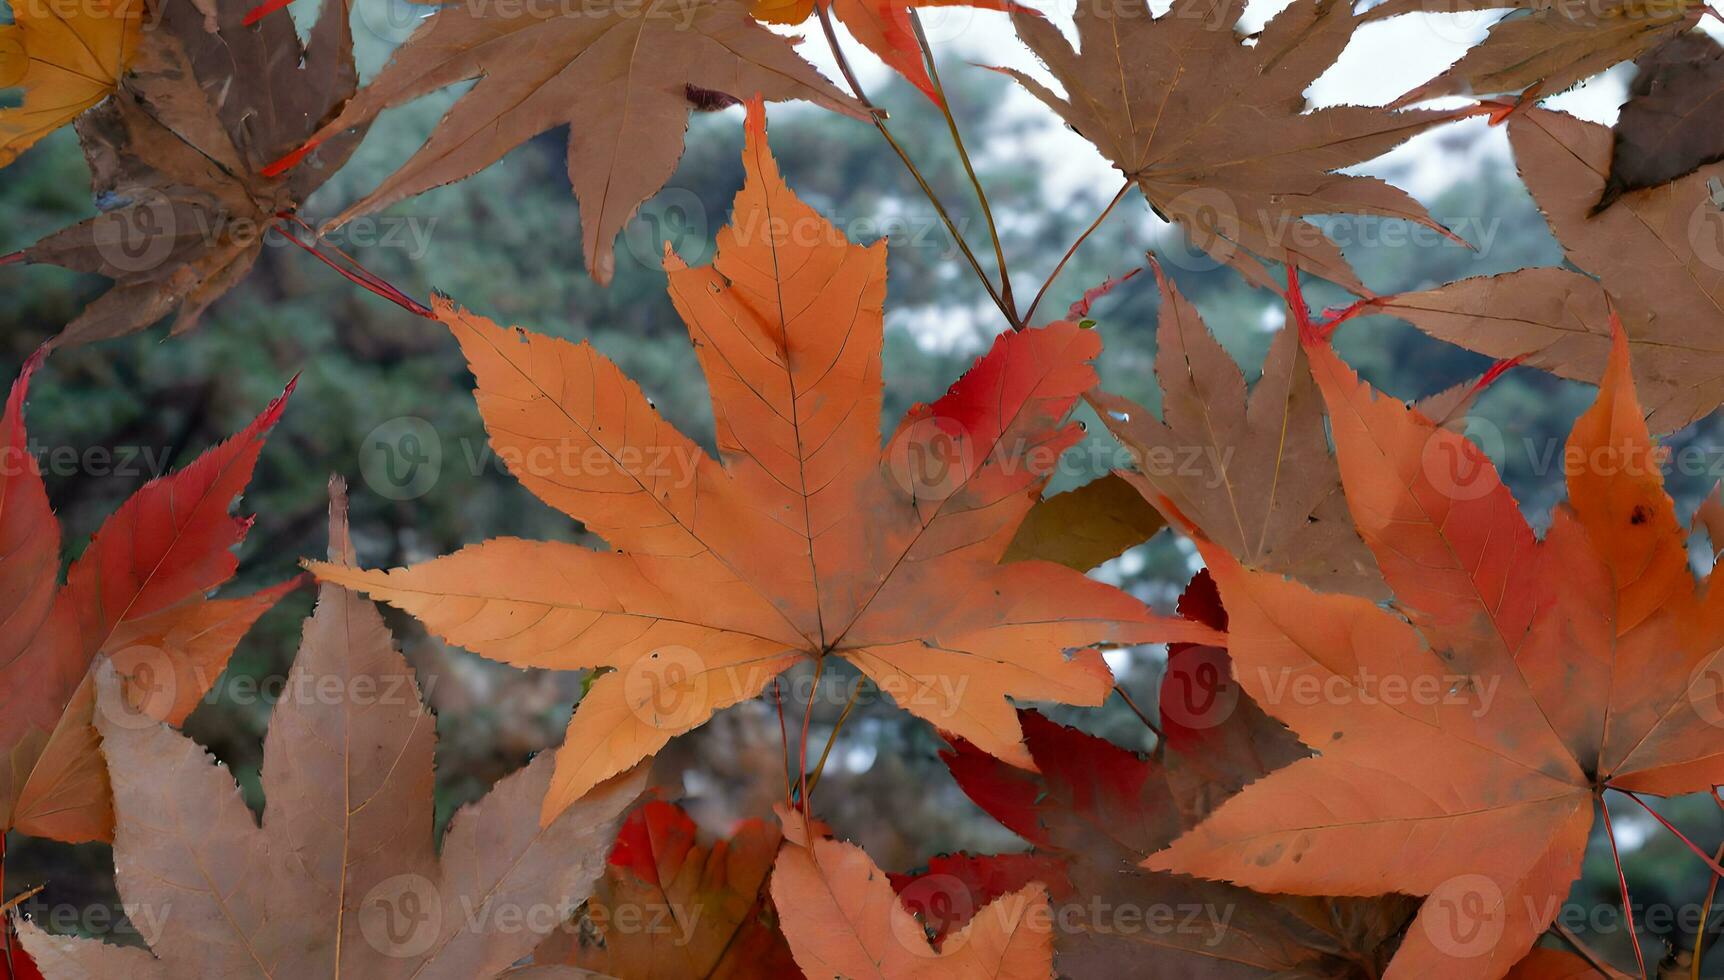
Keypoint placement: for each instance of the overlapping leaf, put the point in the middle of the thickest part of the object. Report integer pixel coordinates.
(66, 57)
(843, 919)
(1214, 130)
(882, 26)
(669, 908)
(346, 876)
(1673, 121)
(807, 540)
(623, 75)
(137, 594)
(1524, 676)
(1096, 810)
(177, 156)
(1542, 48)
(1253, 471)
(1657, 253)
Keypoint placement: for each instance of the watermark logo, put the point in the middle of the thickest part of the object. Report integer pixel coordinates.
(668, 687)
(931, 457)
(1459, 467)
(1210, 223)
(1199, 691)
(675, 216)
(944, 904)
(1464, 917)
(139, 236)
(392, 21)
(149, 691)
(1706, 690)
(401, 916)
(402, 458)
(1706, 227)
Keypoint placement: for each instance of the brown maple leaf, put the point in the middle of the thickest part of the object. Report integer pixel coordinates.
(807, 540)
(1466, 735)
(1253, 471)
(1657, 253)
(176, 159)
(1543, 47)
(623, 75)
(669, 908)
(1673, 121)
(346, 877)
(1214, 131)
(138, 594)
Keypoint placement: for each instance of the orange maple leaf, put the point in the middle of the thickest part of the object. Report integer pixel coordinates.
(806, 540)
(1465, 736)
(66, 58)
(843, 919)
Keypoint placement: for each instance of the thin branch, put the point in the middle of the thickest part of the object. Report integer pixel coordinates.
(1717, 869)
(964, 155)
(1029, 316)
(1139, 712)
(878, 115)
(1622, 880)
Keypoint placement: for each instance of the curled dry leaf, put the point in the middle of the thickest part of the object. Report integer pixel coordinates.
(1673, 121)
(66, 58)
(624, 75)
(670, 908)
(1526, 677)
(345, 877)
(176, 158)
(1214, 130)
(138, 595)
(806, 539)
(1658, 255)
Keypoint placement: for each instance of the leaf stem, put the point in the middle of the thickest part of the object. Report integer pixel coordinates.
(878, 115)
(807, 716)
(1622, 880)
(358, 274)
(1029, 316)
(1717, 869)
(820, 767)
(784, 738)
(964, 156)
(1699, 952)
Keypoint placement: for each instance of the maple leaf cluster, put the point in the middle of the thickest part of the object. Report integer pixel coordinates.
(1391, 711)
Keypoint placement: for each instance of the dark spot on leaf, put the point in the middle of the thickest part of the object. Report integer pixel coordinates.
(708, 100)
